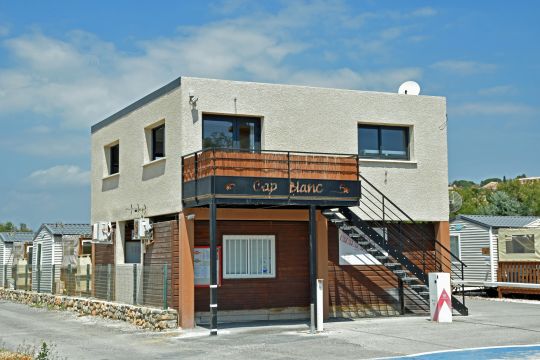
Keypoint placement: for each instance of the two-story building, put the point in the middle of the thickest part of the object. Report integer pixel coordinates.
(263, 188)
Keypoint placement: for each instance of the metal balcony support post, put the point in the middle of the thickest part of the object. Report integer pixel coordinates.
(213, 269)
(313, 265)
(401, 296)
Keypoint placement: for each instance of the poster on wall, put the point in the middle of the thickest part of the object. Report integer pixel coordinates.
(201, 265)
(350, 253)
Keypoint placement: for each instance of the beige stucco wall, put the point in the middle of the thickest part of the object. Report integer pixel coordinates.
(293, 118)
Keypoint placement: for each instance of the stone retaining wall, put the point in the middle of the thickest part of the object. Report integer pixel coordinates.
(144, 317)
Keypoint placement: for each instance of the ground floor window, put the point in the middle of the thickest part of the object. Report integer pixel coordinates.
(249, 256)
(521, 244)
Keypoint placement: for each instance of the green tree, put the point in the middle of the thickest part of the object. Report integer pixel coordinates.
(501, 203)
(464, 183)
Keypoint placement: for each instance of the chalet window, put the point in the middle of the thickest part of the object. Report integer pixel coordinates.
(455, 246)
(158, 142)
(249, 256)
(383, 142)
(520, 244)
(231, 132)
(114, 159)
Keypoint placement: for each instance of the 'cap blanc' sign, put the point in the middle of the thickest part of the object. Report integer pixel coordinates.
(295, 187)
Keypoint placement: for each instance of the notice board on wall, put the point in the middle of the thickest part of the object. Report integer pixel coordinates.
(201, 264)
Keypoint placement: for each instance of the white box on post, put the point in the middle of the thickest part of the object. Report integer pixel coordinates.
(440, 297)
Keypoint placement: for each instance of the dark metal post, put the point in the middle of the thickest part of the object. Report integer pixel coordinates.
(313, 265)
(109, 292)
(134, 284)
(289, 173)
(39, 279)
(401, 291)
(213, 269)
(5, 277)
(165, 278)
(26, 277)
(53, 280)
(88, 279)
(15, 276)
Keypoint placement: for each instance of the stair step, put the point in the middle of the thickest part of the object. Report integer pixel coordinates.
(381, 257)
(424, 293)
(338, 220)
(409, 279)
(346, 227)
(390, 264)
(330, 212)
(372, 250)
(418, 286)
(354, 235)
(399, 271)
(364, 243)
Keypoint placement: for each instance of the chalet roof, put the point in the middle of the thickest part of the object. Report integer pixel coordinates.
(16, 236)
(67, 229)
(501, 221)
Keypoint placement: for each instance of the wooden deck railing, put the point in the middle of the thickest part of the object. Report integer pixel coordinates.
(274, 164)
(519, 272)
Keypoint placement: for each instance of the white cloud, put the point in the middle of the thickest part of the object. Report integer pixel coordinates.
(60, 175)
(462, 67)
(81, 79)
(497, 90)
(494, 109)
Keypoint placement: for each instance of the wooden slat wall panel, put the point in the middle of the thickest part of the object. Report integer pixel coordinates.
(228, 163)
(290, 288)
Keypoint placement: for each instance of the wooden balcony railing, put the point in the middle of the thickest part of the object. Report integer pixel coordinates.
(269, 164)
(527, 272)
(231, 176)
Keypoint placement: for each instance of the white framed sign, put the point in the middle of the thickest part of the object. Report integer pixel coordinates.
(201, 265)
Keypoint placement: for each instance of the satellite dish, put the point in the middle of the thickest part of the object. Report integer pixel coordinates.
(409, 88)
(455, 201)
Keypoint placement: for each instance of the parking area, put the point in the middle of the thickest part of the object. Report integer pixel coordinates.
(491, 323)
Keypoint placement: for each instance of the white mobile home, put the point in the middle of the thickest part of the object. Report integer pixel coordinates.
(475, 239)
(48, 252)
(9, 257)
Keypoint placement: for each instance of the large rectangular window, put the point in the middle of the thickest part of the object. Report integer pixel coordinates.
(231, 132)
(383, 142)
(520, 244)
(249, 256)
(158, 142)
(114, 159)
(132, 248)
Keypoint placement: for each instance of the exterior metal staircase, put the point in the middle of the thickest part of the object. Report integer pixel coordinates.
(406, 249)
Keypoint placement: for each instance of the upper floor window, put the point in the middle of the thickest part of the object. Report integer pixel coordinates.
(114, 159)
(158, 142)
(233, 132)
(383, 142)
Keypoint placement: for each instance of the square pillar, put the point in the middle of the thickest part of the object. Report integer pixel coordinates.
(186, 281)
(442, 234)
(322, 259)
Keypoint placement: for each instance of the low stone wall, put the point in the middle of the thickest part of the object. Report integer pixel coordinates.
(144, 317)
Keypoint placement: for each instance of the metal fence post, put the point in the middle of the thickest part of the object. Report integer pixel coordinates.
(69, 284)
(109, 282)
(165, 278)
(5, 277)
(134, 284)
(26, 277)
(88, 278)
(15, 277)
(39, 279)
(53, 286)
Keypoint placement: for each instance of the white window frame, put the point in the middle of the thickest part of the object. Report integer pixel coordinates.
(459, 246)
(271, 274)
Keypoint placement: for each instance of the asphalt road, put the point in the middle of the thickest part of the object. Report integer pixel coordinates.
(491, 323)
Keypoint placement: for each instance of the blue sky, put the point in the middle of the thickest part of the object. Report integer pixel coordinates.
(65, 65)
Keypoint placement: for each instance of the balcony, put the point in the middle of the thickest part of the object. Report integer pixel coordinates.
(239, 177)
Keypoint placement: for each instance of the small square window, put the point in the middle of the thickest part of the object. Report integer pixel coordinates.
(158, 142)
(249, 256)
(521, 244)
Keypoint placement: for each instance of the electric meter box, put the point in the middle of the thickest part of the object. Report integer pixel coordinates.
(440, 297)
(141, 228)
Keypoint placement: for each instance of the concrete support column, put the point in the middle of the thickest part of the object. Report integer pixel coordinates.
(322, 259)
(442, 234)
(187, 277)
